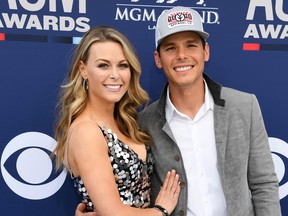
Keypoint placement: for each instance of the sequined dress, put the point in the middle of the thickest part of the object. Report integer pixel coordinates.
(132, 175)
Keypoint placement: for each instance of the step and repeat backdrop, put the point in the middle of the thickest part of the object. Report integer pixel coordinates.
(249, 51)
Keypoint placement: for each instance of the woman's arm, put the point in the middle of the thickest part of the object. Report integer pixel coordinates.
(88, 157)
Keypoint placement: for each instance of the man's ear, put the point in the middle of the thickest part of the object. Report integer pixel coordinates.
(82, 69)
(207, 52)
(157, 59)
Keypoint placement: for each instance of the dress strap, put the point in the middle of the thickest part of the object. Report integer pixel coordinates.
(107, 133)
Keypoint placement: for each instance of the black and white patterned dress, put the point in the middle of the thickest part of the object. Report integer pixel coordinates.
(132, 175)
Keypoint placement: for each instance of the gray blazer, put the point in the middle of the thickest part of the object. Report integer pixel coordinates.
(244, 159)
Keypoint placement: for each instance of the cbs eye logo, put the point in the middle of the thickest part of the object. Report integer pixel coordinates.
(27, 167)
(279, 150)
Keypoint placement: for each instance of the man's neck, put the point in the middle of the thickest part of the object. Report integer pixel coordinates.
(188, 100)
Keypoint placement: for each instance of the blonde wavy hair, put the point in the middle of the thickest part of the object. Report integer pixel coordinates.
(73, 97)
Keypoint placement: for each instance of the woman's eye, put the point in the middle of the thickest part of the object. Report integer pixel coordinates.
(124, 65)
(103, 65)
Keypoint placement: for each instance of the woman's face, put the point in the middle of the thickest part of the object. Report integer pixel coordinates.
(108, 72)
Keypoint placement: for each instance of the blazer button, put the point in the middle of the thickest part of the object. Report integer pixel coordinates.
(182, 184)
(181, 213)
(177, 158)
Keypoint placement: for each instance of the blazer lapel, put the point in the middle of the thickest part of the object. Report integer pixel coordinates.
(221, 123)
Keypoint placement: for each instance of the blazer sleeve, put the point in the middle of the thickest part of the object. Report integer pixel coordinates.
(262, 178)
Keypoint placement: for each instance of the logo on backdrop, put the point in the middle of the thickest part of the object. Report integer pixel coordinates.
(43, 15)
(279, 150)
(27, 168)
(141, 11)
(273, 25)
(200, 2)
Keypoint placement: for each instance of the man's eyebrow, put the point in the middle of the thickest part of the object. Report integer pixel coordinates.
(168, 43)
(191, 40)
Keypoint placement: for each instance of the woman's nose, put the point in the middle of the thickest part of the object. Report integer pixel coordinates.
(114, 73)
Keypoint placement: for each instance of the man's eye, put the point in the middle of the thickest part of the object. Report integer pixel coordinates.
(191, 45)
(169, 48)
(194, 45)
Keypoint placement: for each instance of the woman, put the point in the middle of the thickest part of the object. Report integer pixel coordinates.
(97, 132)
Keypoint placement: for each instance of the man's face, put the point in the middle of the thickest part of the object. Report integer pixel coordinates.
(182, 57)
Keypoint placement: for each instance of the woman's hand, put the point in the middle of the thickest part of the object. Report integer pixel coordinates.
(169, 192)
(81, 211)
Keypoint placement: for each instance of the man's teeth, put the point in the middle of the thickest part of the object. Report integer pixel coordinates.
(183, 68)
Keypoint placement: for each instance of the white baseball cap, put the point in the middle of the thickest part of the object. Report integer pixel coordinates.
(178, 19)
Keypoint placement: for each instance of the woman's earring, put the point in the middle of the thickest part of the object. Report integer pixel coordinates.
(85, 84)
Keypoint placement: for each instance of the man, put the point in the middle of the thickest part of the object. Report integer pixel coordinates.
(213, 136)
